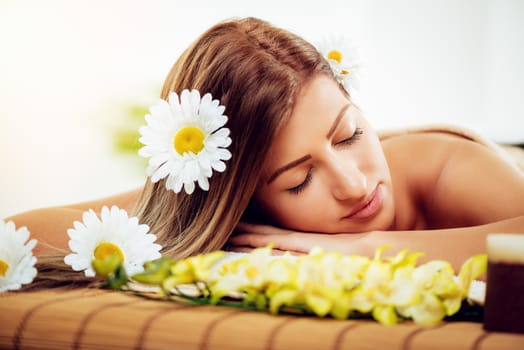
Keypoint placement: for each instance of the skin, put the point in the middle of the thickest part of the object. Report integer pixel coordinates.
(463, 193)
(52, 234)
(342, 166)
(431, 192)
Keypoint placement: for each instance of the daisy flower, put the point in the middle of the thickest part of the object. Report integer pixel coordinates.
(185, 141)
(16, 257)
(114, 233)
(344, 60)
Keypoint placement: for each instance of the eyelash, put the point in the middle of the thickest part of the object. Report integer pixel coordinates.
(302, 186)
(355, 137)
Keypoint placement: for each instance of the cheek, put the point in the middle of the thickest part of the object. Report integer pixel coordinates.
(370, 143)
(372, 155)
(300, 212)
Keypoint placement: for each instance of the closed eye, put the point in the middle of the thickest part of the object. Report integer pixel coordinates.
(355, 137)
(299, 188)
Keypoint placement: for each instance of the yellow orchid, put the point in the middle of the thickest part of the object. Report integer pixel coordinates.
(388, 289)
(191, 270)
(285, 296)
(318, 281)
(474, 267)
(429, 310)
(441, 294)
(241, 275)
(383, 287)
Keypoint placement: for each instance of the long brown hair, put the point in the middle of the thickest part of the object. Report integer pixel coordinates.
(256, 71)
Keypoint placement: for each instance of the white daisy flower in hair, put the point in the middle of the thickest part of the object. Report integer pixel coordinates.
(113, 233)
(16, 257)
(344, 59)
(185, 141)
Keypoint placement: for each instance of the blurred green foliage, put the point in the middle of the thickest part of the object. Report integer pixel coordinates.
(126, 136)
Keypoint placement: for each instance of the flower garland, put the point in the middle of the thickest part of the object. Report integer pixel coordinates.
(388, 289)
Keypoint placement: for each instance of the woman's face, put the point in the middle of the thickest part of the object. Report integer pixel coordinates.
(326, 171)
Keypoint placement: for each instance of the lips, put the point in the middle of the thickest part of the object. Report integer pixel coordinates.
(368, 207)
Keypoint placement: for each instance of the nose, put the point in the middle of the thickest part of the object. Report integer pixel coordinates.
(349, 182)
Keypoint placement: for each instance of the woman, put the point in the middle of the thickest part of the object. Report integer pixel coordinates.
(307, 165)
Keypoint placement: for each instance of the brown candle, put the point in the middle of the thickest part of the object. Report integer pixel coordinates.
(504, 306)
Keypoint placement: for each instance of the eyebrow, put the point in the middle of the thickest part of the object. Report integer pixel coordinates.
(301, 160)
(337, 121)
(287, 167)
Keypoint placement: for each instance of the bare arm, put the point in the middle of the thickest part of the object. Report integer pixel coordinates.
(49, 225)
(454, 245)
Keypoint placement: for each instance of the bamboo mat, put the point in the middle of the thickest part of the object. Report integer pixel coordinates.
(100, 319)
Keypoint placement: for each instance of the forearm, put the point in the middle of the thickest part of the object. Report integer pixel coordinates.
(49, 226)
(454, 245)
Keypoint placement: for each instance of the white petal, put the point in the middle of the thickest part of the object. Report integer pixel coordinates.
(216, 122)
(192, 170)
(203, 183)
(207, 172)
(176, 184)
(189, 103)
(224, 154)
(219, 166)
(90, 219)
(189, 187)
(174, 103)
(161, 172)
(194, 99)
(159, 159)
(206, 100)
(204, 162)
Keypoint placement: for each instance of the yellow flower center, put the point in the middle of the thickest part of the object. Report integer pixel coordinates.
(189, 139)
(385, 289)
(335, 55)
(252, 272)
(106, 249)
(3, 268)
(344, 72)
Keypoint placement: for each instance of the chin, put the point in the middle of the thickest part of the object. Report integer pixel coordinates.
(385, 220)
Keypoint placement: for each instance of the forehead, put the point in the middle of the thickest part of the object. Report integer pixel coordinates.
(315, 110)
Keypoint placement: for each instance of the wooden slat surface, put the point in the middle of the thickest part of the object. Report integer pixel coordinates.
(98, 319)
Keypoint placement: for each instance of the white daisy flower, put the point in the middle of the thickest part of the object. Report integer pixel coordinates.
(184, 140)
(115, 233)
(344, 60)
(16, 257)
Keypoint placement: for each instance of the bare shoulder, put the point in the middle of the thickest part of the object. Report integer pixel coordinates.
(420, 157)
(458, 181)
(125, 200)
(436, 149)
(429, 141)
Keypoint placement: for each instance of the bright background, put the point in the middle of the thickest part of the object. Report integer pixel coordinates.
(70, 69)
